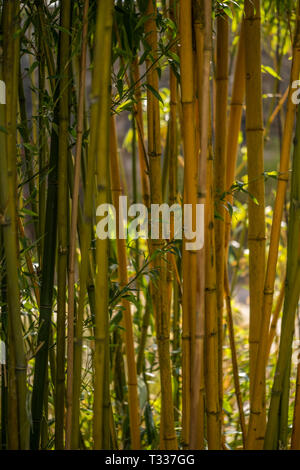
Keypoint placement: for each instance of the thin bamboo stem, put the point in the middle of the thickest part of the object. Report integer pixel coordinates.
(220, 177)
(168, 436)
(73, 229)
(62, 221)
(123, 278)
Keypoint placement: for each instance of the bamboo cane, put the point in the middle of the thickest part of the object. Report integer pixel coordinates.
(274, 243)
(254, 136)
(208, 275)
(234, 123)
(101, 127)
(274, 425)
(73, 230)
(62, 217)
(123, 277)
(198, 390)
(46, 294)
(295, 443)
(168, 437)
(8, 210)
(220, 176)
(234, 359)
(190, 197)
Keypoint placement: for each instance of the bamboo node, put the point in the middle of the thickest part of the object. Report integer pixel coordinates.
(210, 289)
(4, 221)
(255, 412)
(101, 187)
(268, 291)
(186, 337)
(236, 103)
(255, 129)
(257, 239)
(20, 368)
(62, 250)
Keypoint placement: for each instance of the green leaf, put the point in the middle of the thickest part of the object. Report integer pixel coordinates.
(155, 93)
(270, 71)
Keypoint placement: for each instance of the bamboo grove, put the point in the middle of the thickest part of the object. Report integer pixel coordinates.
(129, 342)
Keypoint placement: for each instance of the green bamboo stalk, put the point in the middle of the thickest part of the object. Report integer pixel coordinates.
(47, 283)
(24, 131)
(258, 388)
(42, 145)
(292, 292)
(62, 219)
(8, 199)
(9, 231)
(74, 218)
(4, 338)
(86, 231)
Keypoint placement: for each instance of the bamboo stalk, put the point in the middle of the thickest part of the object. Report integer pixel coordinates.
(208, 274)
(173, 190)
(234, 123)
(47, 283)
(234, 359)
(220, 177)
(62, 218)
(73, 229)
(256, 231)
(8, 210)
(101, 127)
(197, 393)
(276, 313)
(211, 323)
(189, 268)
(168, 437)
(123, 277)
(292, 291)
(295, 443)
(138, 110)
(24, 131)
(258, 389)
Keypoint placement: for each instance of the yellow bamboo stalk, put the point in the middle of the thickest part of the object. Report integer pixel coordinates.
(220, 176)
(255, 143)
(208, 274)
(277, 110)
(234, 358)
(189, 268)
(211, 321)
(275, 317)
(256, 432)
(123, 278)
(101, 356)
(197, 383)
(168, 437)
